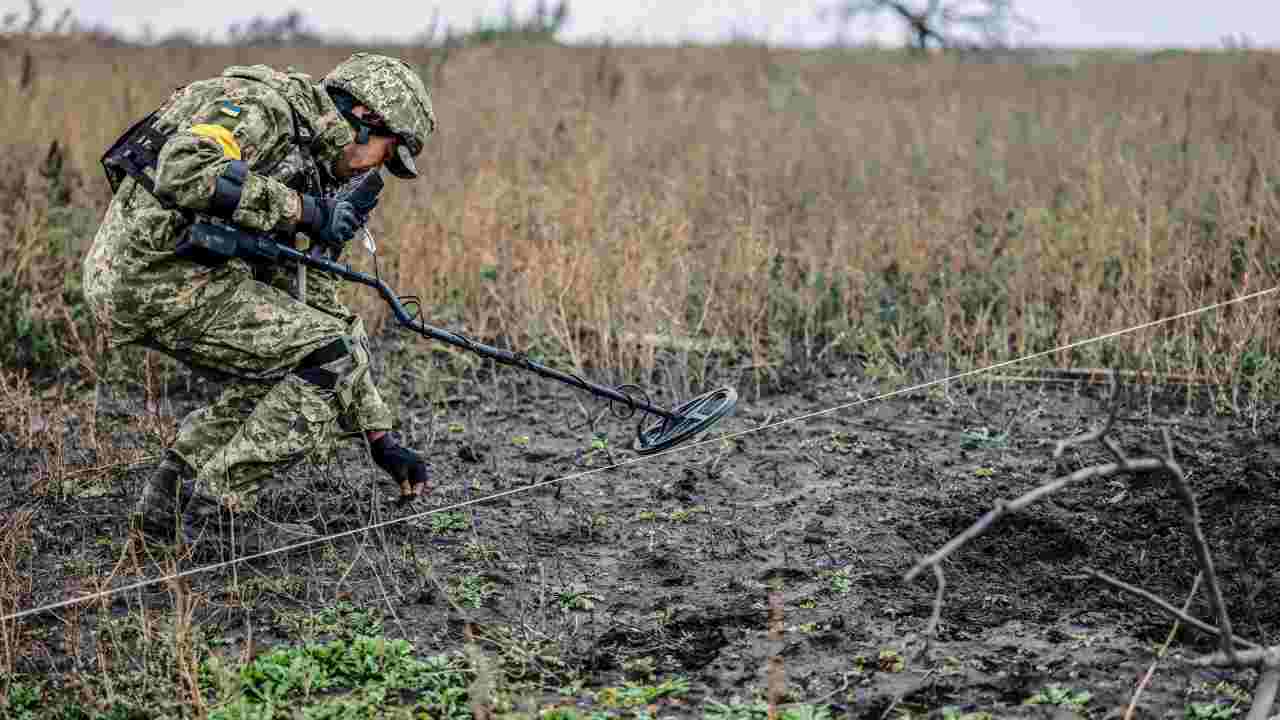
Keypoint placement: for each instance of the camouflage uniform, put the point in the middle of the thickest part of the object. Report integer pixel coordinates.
(237, 322)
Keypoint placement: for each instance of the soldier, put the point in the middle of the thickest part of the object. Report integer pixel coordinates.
(263, 151)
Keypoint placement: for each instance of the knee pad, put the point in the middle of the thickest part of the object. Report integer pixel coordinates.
(335, 367)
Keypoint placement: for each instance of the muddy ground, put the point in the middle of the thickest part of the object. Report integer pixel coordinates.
(666, 565)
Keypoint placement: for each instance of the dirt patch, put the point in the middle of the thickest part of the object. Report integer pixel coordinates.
(666, 564)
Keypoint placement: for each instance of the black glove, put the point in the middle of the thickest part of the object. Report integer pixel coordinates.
(365, 196)
(406, 467)
(328, 221)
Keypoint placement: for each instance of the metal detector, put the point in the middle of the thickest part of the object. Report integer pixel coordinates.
(667, 428)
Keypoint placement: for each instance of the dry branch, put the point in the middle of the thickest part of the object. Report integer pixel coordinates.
(1191, 512)
(1255, 656)
(1268, 659)
(1003, 507)
(1138, 592)
(1162, 651)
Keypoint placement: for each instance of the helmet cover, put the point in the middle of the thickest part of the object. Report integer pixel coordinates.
(392, 90)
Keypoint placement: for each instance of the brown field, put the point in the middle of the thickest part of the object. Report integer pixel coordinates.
(812, 227)
(790, 203)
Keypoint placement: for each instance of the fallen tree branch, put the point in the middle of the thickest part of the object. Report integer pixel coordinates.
(1266, 659)
(1191, 513)
(1255, 656)
(1003, 507)
(1138, 592)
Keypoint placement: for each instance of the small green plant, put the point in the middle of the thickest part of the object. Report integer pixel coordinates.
(636, 694)
(520, 441)
(840, 442)
(1061, 697)
(369, 672)
(456, 427)
(687, 513)
(983, 437)
(343, 620)
(22, 701)
(642, 668)
(442, 523)
(1210, 711)
(471, 590)
(1232, 691)
(842, 581)
(286, 585)
(599, 445)
(480, 551)
(571, 599)
(736, 710)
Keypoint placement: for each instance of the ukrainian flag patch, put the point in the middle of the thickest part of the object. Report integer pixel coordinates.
(230, 109)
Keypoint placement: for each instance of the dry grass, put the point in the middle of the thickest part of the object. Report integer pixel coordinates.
(789, 202)
(15, 587)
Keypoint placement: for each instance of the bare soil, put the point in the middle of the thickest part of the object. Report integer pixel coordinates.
(668, 562)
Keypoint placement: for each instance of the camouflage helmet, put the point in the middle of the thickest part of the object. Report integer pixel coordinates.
(393, 90)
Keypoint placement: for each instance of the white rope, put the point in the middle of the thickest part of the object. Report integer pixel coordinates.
(505, 493)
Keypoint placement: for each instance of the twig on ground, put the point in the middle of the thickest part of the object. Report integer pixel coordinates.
(1171, 610)
(1003, 507)
(931, 632)
(1173, 632)
(1112, 413)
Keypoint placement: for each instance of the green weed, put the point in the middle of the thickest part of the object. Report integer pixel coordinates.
(842, 581)
(1210, 711)
(471, 590)
(1061, 697)
(634, 694)
(736, 710)
(343, 620)
(952, 713)
(341, 679)
(442, 523)
(576, 599)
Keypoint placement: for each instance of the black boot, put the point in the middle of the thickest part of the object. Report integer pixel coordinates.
(164, 500)
(171, 513)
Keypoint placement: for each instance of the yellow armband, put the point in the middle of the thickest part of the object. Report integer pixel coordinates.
(221, 135)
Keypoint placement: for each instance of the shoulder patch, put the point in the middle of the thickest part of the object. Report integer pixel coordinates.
(229, 109)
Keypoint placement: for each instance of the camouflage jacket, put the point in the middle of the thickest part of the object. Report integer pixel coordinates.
(286, 129)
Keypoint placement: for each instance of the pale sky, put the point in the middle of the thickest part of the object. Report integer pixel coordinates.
(1129, 23)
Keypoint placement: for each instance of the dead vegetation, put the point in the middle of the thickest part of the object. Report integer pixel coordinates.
(849, 204)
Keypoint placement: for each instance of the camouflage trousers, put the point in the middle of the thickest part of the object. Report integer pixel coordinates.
(267, 418)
